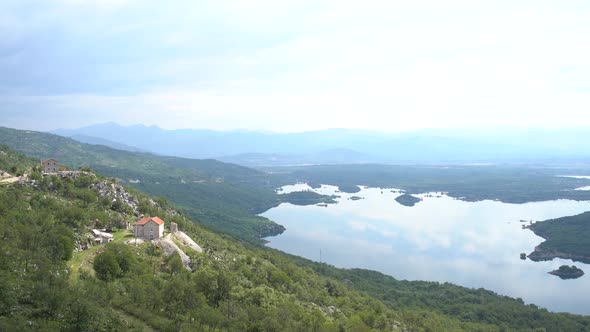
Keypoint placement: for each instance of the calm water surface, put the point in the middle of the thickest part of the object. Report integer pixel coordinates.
(473, 244)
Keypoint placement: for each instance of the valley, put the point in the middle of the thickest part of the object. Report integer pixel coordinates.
(227, 199)
(296, 166)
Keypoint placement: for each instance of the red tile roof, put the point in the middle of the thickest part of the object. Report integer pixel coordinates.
(144, 221)
(48, 160)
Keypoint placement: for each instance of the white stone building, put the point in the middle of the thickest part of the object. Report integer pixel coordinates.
(50, 166)
(102, 237)
(148, 228)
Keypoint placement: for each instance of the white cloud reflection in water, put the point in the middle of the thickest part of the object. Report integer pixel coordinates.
(473, 244)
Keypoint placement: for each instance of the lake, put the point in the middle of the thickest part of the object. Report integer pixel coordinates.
(472, 244)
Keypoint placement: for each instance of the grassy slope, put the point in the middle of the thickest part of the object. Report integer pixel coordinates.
(10, 159)
(83, 259)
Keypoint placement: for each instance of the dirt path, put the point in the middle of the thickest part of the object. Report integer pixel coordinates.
(11, 179)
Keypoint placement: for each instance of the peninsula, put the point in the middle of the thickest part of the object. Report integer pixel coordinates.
(566, 238)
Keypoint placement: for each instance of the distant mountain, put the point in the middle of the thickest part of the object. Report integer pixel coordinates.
(348, 146)
(327, 157)
(105, 142)
(198, 143)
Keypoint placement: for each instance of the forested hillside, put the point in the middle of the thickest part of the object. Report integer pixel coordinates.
(223, 196)
(48, 283)
(14, 164)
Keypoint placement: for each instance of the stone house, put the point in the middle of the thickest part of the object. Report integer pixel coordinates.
(102, 237)
(149, 228)
(50, 166)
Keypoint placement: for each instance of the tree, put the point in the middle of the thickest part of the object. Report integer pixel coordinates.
(87, 196)
(175, 263)
(224, 286)
(59, 242)
(106, 266)
(123, 255)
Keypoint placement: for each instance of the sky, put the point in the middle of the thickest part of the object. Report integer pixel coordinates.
(290, 66)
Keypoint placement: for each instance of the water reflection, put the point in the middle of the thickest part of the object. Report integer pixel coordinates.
(474, 244)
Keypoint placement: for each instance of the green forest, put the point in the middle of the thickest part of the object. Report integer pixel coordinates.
(565, 237)
(47, 283)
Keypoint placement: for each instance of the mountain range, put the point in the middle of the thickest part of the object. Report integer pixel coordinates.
(338, 146)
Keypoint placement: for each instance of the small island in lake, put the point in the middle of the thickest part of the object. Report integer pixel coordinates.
(355, 198)
(408, 200)
(349, 188)
(568, 272)
(307, 197)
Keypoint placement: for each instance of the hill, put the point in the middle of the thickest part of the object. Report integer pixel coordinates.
(223, 196)
(332, 156)
(105, 142)
(49, 281)
(14, 164)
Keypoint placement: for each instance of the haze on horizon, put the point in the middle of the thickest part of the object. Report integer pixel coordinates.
(294, 66)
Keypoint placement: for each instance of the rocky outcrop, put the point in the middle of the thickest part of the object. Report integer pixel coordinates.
(169, 248)
(187, 241)
(116, 192)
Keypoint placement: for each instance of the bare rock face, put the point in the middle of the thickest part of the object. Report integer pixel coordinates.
(117, 192)
(169, 248)
(187, 241)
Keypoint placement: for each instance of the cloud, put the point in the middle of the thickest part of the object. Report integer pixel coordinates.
(386, 65)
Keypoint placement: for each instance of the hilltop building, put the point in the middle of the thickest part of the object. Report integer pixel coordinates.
(148, 228)
(51, 166)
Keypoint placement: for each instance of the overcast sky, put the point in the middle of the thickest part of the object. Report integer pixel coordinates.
(295, 65)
